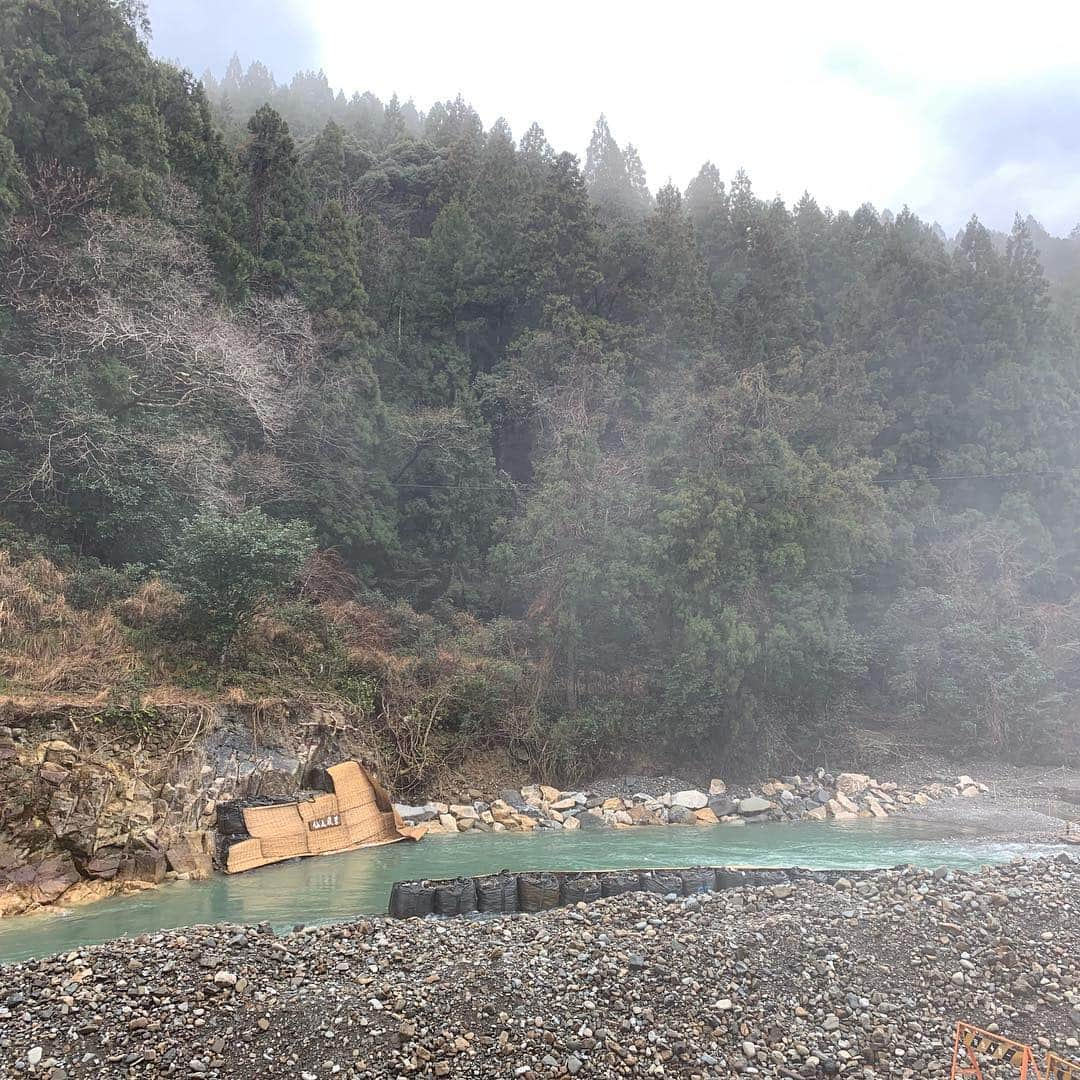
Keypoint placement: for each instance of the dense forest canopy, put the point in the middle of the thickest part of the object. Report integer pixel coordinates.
(721, 478)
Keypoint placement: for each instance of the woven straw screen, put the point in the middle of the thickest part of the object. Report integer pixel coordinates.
(357, 814)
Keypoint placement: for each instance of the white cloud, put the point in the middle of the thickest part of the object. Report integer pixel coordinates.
(842, 98)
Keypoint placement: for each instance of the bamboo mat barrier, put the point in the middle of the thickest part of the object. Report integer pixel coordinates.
(358, 813)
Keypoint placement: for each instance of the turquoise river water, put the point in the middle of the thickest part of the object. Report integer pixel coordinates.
(334, 887)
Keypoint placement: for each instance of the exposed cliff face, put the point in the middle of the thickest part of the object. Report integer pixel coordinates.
(88, 809)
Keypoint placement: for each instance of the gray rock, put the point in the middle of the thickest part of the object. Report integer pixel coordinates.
(591, 820)
(416, 813)
(722, 805)
(512, 797)
(754, 805)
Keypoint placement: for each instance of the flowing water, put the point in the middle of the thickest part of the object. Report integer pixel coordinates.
(333, 887)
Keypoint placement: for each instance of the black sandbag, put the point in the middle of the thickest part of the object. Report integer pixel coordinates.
(457, 897)
(537, 891)
(411, 899)
(767, 877)
(661, 881)
(617, 882)
(698, 879)
(221, 847)
(230, 818)
(726, 878)
(318, 778)
(580, 889)
(230, 814)
(497, 893)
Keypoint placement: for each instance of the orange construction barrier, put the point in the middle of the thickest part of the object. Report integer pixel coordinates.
(1057, 1068)
(972, 1041)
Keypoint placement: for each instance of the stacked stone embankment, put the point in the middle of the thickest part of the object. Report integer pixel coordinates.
(824, 796)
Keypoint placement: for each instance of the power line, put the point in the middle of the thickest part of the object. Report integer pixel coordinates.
(974, 476)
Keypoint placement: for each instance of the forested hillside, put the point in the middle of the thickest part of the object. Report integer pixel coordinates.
(503, 450)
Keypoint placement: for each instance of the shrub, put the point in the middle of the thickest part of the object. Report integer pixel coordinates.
(228, 565)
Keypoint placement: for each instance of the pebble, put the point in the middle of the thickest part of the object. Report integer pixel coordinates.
(740, 982)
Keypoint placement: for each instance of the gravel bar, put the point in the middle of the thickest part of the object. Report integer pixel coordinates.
(859, 978)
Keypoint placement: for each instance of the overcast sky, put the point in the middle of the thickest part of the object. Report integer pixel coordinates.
(951, 107)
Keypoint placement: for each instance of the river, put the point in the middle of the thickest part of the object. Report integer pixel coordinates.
(334, 887)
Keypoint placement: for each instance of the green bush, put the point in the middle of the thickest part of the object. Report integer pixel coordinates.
(89, 588)
(228, 565)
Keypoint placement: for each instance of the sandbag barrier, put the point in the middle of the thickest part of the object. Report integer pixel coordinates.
(540, 890)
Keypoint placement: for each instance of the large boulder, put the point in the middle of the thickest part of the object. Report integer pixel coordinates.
(852, 783)
(723, 805)
(147, 866)
(570, 800)
(591, 820)
(680, 815)
(640, 814)
(44, 880)
(690, 799)
(512, 797)
(754, 805)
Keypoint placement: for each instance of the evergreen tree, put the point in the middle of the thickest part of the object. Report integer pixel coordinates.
(325, 161)
(276, 198)
(563, 234)
(332, 286)
(11, 178)
(82, 90)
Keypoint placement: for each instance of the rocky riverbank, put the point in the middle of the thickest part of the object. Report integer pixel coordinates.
(863, 978)
(89, 810)
(823, 796)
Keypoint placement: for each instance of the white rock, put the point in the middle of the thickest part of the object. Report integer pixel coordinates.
(692, 800)
(754, 805)
(568, 802)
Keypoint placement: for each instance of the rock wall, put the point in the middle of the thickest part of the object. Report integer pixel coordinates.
(88, 809)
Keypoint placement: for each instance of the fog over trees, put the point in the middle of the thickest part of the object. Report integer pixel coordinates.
(711, 476)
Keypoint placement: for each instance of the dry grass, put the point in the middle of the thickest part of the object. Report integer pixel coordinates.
(59, 661)
(48, 647)
(152, 604)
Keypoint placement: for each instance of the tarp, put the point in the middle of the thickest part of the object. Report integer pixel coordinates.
(358, 813)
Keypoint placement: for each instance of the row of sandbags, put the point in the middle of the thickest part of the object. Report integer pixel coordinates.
(539, 890)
